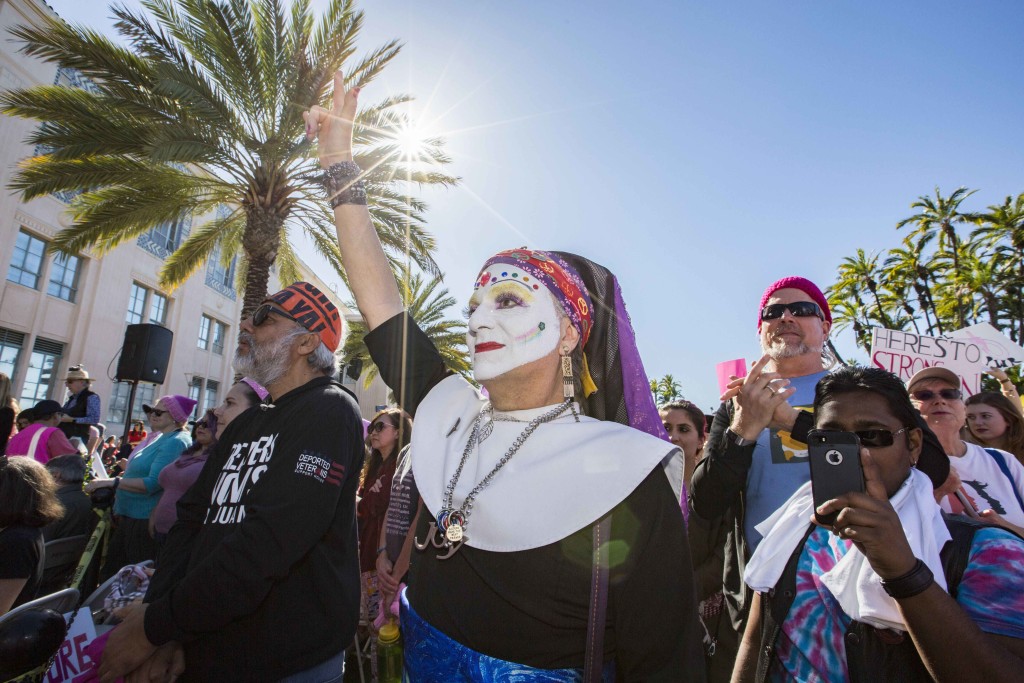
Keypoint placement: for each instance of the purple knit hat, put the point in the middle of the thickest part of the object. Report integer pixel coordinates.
(178, 407)
(795, 282)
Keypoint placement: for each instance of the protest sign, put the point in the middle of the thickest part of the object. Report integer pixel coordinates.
(999, 350)
(968, 353)
(71, 660)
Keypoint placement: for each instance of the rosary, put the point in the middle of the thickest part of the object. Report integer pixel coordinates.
(448, 531)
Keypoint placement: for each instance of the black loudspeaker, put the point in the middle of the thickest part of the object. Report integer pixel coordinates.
(145, 354)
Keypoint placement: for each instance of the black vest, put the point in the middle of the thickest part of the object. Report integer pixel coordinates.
(80, 409)
(872, 654)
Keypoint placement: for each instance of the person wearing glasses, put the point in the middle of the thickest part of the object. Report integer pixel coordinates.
(992, 481)
(388, 433)
(258, 580)
(893, 590)
(139, 488)
(755, 455)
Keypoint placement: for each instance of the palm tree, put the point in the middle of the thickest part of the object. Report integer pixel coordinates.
(427, 302)
(1002, 231)
(666, 389)
(940, 215)
(863, 270)
(204, 111)
(903, 268)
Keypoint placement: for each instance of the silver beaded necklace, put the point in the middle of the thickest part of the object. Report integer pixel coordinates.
(449, 529)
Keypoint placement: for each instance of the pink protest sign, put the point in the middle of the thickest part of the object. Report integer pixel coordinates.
(736, 367)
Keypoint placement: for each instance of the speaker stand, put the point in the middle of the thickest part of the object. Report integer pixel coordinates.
(128, 410)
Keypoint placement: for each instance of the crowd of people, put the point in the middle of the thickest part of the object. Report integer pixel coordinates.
(552, 524)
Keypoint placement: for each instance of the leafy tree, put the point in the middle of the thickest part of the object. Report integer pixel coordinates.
(203, 110)
(939, 216)
(938, 276)
(666, 389)
(427, 302)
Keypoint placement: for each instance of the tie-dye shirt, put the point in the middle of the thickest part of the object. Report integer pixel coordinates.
(811, 646)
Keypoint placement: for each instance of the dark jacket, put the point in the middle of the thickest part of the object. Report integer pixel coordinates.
(259, 577)
(78, 518)
(80, 409)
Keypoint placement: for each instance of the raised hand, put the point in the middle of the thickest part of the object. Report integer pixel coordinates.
(757, 399)
(869, 520)
(333, 127)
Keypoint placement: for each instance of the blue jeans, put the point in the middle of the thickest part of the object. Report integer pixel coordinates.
(331, 671)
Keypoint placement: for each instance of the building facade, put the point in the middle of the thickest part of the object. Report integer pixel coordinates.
(57, 311)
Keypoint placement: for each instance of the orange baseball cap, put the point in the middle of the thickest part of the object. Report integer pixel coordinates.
(312, 309)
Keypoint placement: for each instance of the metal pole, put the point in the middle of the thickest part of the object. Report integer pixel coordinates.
(128, 410)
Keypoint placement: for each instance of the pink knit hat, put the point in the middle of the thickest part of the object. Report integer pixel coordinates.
(795, 282)
(178, 407)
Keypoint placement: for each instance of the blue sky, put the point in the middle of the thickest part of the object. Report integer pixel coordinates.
(699, 150)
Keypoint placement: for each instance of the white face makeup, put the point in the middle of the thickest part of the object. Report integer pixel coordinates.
(513, 321)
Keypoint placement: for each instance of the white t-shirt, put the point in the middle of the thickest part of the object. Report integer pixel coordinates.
(987, 486)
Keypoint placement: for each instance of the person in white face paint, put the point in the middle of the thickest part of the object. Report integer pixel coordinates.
(565, 455)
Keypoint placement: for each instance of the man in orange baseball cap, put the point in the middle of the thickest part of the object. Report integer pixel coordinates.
(274, 511)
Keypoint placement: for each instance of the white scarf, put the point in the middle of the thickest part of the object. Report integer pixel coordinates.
(852, 581)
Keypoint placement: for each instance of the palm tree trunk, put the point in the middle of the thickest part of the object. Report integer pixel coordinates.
(260, 242)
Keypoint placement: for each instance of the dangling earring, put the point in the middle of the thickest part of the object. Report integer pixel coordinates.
(568, 384)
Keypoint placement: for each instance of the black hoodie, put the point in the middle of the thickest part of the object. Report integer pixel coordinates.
(259, 577)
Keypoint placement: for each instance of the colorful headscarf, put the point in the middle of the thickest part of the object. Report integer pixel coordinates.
(561, 279)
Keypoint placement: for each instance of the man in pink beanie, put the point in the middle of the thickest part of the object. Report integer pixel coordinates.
(756, 457)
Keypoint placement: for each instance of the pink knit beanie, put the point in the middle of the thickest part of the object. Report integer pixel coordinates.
(795, 282)
(179, 407)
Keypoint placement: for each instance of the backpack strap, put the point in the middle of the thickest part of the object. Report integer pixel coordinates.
(956, 553)
(997, 455)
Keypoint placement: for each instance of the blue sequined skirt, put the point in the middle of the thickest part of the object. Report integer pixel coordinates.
(433, 657)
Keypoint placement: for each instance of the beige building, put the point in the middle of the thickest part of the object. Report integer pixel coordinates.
(58, 311)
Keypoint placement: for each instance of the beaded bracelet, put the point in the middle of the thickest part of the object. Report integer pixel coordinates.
(342, 184)
(914, 582)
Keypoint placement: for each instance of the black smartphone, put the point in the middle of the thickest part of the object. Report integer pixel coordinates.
(835, 468)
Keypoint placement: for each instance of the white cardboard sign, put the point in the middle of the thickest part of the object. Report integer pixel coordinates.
(70, 659)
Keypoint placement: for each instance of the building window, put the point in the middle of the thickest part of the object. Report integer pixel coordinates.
(42, 367)
(119, 401)
(219, 277)
(64, 277)
(11, 343)
(220, 331)
(165, 238)
(137, 306)
(205, 322)
(211, 394)
(157, 308)
(27, 260)
(195, 390)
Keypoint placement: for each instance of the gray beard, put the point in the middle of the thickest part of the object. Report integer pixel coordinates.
(264, 363)
(780, 350)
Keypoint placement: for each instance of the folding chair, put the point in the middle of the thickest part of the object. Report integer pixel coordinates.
(61, 558)
(62, 601)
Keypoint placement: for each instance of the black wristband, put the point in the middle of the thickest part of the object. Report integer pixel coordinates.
(914, 582)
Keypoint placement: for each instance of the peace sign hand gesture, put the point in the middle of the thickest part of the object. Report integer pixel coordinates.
(333, 127)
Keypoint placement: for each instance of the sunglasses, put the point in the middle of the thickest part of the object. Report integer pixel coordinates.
(377, 427)
(155, 411)
(929, 395)
(878, 438)
(799, 309)
(204, 424)
(259, 316)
